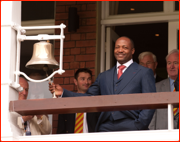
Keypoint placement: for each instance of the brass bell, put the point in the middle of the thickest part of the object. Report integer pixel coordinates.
(42, 56)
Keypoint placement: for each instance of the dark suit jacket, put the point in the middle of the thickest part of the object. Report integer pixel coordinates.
(136, 79)
(176, 83)
(66, 122)
(160, 118)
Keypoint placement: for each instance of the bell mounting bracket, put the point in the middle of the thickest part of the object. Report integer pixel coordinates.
(21, 37)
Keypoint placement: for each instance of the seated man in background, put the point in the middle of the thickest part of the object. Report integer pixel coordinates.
(160, 118)
(148, 59)
(32, 124)
(67, 122)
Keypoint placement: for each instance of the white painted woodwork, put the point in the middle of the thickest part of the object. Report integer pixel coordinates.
(10, 13)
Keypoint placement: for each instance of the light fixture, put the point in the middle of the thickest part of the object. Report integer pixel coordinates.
(132, 9)
(44, 64)
(156, 34)
(73, 19)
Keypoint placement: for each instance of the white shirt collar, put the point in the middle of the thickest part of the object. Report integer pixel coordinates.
(127, 64)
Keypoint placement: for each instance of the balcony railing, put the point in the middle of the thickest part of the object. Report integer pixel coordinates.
(103, 103)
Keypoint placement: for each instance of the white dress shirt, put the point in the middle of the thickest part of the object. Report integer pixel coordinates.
(85, 126)
(127, 64)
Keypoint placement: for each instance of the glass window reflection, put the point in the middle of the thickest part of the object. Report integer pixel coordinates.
(130, 7)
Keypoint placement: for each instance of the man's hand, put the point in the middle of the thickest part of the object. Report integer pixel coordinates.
(39, 116)
(28, 117)
(55, 88)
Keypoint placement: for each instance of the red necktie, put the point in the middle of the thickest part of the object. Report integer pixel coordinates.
(79, 123)
(120, 70)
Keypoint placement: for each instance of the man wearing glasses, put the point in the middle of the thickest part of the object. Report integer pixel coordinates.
(148, 59)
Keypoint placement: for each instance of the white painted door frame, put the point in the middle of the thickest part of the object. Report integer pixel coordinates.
(173, 27)
(111, 36)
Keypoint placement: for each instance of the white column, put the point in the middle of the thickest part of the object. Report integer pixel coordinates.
(10, 13)
(170, 117)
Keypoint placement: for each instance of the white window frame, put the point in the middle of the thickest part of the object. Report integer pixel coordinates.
(168, 15)
(46, 22)
(173, 26)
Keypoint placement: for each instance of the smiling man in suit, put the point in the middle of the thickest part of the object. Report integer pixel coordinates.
(126, 77)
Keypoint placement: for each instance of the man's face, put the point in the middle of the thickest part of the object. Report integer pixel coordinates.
(83, 82)
(148, 62)
(123, 50)
(24, 93)
(173, 65)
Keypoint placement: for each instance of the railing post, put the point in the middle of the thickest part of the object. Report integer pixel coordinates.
(170, 117)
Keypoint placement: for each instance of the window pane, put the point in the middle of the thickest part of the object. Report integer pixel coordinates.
(37, 10)
(129, 7)
(176, 6)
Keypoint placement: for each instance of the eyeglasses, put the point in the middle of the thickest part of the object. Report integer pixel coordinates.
(147, 63)
(24, 89)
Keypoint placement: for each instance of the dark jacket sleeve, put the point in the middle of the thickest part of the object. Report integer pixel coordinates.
(145, 116)
(176, 83)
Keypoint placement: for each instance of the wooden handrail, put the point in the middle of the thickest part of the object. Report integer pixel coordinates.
(95, 103)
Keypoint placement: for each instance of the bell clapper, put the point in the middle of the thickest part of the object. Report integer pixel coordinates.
(45, 68)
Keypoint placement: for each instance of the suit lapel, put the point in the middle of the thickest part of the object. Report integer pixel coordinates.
(109, 78)
(166, 85)
(126, 77)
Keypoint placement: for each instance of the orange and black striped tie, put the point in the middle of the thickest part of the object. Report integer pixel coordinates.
(79, 123)
(175, 109)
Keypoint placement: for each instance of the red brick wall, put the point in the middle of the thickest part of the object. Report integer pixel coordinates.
(79, 47)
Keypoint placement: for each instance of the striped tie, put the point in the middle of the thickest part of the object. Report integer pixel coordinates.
(79, 123)
(175, 109)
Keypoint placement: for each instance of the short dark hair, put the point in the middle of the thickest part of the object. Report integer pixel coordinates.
(131, 41)
(86, 70)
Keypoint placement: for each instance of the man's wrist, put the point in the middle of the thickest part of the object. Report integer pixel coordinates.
(61, 94)
(41, 117)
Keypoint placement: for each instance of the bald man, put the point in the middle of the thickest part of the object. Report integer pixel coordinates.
(126, 77)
